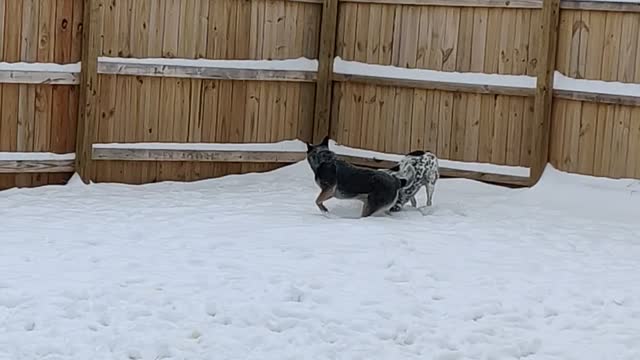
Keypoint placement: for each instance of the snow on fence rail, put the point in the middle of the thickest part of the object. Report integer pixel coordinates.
(514, 85)
(292, 151)
(522, 85)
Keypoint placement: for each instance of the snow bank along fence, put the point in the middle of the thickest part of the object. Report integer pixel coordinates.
(471, 80)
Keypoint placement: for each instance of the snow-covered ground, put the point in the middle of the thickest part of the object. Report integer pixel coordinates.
(245, 267)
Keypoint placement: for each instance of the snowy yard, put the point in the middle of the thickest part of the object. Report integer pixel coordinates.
(245, 267)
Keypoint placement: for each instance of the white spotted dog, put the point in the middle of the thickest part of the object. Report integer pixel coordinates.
(427, 174)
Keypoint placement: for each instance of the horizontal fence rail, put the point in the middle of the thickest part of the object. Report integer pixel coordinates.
(39, 73)
(271, 70)
(35, 162)
(175, 152)
(621, 6)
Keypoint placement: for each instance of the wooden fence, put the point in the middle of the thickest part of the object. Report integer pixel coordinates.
(37, 116)
(169, 109)
(116, 101)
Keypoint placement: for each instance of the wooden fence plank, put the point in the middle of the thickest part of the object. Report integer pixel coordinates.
(359, 122)
(3, 7)
(475, 102)
(21, 43)
(461, 110)
(170, 38)
(620, 144)
(61, 122)
(626, 73)
(633, 168)
(5, 181)
(89, 88)
(591, 47)
(633, 157)
(517, 105)
(420, 119)
(305, 43)
(533, 46)
(488, 103)
(10, 93)
(609, 72)
(557, 132)
(322, 113)
(607, 144)
(527, 121)
(76, 55)
(370, 114)
(573, 109)
(544, 90)
(505, 66)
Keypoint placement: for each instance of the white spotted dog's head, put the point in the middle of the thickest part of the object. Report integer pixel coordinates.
(426, 164)
(405, 170)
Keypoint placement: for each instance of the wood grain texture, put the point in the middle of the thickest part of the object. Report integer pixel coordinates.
(86, 128)
(435, 85)
(324, 85)
(36, 166)
(548, 28)
(199, 72)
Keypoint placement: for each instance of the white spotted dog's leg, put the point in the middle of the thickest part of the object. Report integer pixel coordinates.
(414, 202)
(431, 187)
(426, 209)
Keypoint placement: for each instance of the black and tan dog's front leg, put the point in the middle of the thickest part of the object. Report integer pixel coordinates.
(325, 195)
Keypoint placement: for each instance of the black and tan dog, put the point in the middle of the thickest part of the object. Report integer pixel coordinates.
(337, 178)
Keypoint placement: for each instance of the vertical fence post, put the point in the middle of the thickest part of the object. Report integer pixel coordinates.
(324, 83)
(85, 132)
(548, 30)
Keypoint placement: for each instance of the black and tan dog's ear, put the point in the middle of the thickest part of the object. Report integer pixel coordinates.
(309, 146)
(417, 153)
(325, 141)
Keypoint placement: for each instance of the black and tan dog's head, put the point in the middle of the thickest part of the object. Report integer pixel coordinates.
(320, 154)
(323, 145)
